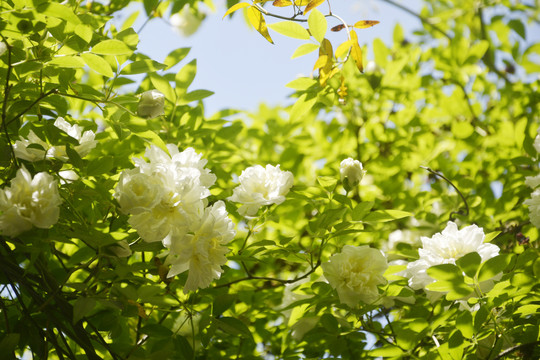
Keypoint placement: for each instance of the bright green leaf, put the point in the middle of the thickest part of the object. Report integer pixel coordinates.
(111, 47)
(304, 49)
(291, 29)
(317, 25)
(98, 64)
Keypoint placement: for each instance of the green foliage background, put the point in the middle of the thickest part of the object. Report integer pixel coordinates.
(461, 97)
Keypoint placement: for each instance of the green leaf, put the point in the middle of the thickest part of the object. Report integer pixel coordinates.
(98, 64)
(176, 56)
(302, 105)
(68, 61)
(445, 272)
(493, 266)
(469, 263)
(361, 210)
(111, 47)
(291, 29)
(85, 32)
(185, 76)
(196, 95)
(389, 351)
(304, 49)
(464, 323)
(302, 83)
(156, 330)
(142, 66)
(9, 343)
(58, 11)
(163, 86)
(233, 326)
(101, 165)
(386, 215)
(317, 25)
(462, 129)
(327, 182)
(82, 307)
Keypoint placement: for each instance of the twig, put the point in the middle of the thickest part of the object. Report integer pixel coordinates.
(454, 186)
(420, 17)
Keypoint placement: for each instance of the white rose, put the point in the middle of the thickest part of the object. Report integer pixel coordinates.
(534, 207)
(446, 248)
(355, 273)
(3, 48)
(351, 172)
(86, 139)
(536, 143)
(29, 201)
(151, 104)
(137, 192)
(261, 186)
(202, 249)
(23, 151)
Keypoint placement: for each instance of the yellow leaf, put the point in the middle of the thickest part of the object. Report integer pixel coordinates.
(312, 5)
(364, 24)
(257, 20)
(356, 52)
(321, 62)
(283, 3)
(343, 48)
(236, 7)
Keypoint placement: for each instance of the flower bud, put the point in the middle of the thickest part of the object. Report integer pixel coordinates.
(151, 105)
(351, 172)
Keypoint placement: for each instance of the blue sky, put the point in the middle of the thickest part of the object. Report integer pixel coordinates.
(241, 67)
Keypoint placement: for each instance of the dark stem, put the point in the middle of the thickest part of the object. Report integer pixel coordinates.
(454, 186)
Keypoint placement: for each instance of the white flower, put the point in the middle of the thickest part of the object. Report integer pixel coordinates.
(151, 104)
(536, 143)
(399, 236)
(534, 207)
(532, 181)
(372, 67)
(68, 176)
(86, 139)
(351, 172)
(446, 248)
(3, 48)
(164, 194)
(29, 201)
(23, 151)
(186, 21)
(355, 273)
(202, 249)
(261, 186)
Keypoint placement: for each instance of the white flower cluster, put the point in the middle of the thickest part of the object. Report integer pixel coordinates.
(355, 273)
(261, 186)
(446, 248)
(29, 201)
(534, 182)
(166, 198)
(86, 141)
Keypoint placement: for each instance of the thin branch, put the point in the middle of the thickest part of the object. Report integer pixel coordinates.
(41, 97)
(420, 17)
(454, 186)
(4, 105)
